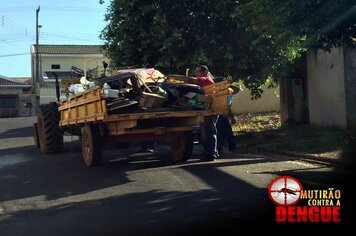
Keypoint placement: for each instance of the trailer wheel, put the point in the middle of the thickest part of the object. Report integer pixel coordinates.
(182, 146)
(50, 135)
(35, 135)
(92, 145)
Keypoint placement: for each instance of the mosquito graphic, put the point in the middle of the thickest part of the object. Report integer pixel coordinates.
(290, 191)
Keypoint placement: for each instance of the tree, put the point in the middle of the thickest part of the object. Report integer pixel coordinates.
(251, 40)
(172, 35)
(296, 26)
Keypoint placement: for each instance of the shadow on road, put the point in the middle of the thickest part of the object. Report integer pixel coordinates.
(17, 133)
(31, 173)
(230, 205)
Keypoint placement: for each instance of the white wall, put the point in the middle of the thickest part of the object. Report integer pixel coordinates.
(326, 88)
(11, 91)
(67, 62)
(25, 111)
(268, 102)
(47, 95)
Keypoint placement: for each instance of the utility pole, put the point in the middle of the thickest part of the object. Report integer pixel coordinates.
(37, 75)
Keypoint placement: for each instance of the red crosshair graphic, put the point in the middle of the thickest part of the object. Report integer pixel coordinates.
(285, 190)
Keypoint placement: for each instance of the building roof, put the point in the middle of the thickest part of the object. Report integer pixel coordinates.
(68, 49)
(26, 80)
(7, 82)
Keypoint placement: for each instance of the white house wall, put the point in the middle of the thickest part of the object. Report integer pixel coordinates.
(269, 101)
(11, 91)
(47, 95)
(22, 109)
(350, 88)
(326, 88)
(47, 92)
(66, 62)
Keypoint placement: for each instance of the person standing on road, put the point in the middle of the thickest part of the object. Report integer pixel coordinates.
(209, 131)
(224, 123)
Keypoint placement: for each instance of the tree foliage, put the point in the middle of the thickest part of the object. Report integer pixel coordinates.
(251, 40)
(296, 26)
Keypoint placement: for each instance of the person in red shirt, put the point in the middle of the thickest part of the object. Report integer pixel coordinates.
(204, 78)
(209, 131)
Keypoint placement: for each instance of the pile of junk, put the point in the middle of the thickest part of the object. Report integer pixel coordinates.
(144, 90)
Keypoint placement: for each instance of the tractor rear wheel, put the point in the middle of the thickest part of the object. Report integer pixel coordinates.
(50, 135)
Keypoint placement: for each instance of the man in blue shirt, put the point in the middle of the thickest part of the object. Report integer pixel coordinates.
(223, 124)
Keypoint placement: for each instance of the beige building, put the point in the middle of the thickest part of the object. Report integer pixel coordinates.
(15, 98)
(67, 62)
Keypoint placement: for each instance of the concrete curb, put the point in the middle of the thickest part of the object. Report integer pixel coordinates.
(310, 158)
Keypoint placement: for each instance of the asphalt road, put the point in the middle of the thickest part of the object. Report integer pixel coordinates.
(139, 193)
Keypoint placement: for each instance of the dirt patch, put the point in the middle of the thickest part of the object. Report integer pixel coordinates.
(264, 131)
